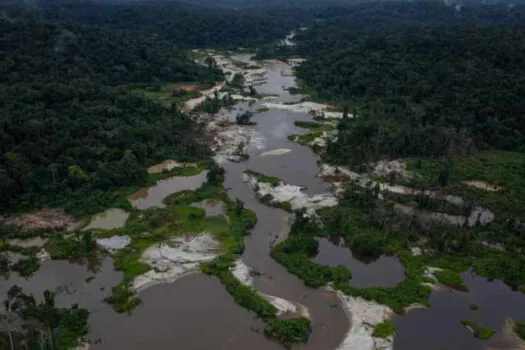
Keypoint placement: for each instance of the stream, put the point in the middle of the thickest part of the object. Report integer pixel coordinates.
(197, 313)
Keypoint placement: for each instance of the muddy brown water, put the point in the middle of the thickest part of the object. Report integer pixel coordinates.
(385, 271)
(194, 313)
(108, 220)
(438, 327)
(197, 313)
(151, 197)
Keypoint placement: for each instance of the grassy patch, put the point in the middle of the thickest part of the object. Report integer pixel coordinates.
(451, 279)
(26, 267)
(384, 329)
(309, 125)
(494, 167)
(480, 331)
(80, 245)
(168, 94)
(262, 110)
(272, 180)
(519, 328)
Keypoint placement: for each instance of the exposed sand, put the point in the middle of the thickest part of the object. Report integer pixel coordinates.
(484, 185)
(176, 258)
(191, 104)
(364, 316)
(276, 152)
(306, 107)
(506, 339)
(478, 215)
(114, 243)
(295, 195)
(168, 165)
(284, 307)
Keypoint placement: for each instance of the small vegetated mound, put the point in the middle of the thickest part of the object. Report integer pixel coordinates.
(452, 279)
(260, 177)
(289, 330)
(384, 329)
(77, 245)
(519, 328)
(480, 331)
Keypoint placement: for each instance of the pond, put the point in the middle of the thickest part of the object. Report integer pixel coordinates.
(150, 197)
(386, 271)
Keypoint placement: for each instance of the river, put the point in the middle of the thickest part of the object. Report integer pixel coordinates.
(196, 312)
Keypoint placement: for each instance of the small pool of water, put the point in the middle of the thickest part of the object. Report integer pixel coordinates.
(384, 272)
(108, 220)
(212, 207)
(150, 197)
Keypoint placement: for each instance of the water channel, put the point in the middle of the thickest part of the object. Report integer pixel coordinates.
(197, 313)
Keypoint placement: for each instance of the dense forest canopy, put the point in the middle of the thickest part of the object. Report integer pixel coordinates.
(420, 90)
(70, 129)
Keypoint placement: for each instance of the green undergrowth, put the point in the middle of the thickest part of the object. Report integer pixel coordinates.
(272, 180)
(451, 279)
(169, 94)
(501, 168)
(262, 110)
(26, 266)
(480, 331)
(370, 229)
(384, 329)
(315, 130)
(289, 330)
(269, 200)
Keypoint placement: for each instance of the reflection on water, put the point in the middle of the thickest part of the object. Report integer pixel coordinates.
(194, 313)
(153, 196)
(385, 271)
(70, 282)
(439, 327)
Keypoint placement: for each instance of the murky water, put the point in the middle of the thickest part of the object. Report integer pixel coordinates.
(153, 196)
(298, 167)
(191, 313)
(108, 220)
(211, 207)
(439, 327)
(383, 272)
(70, 281)
(194, 313)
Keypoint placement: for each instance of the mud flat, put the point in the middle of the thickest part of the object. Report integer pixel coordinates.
(43, 219)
